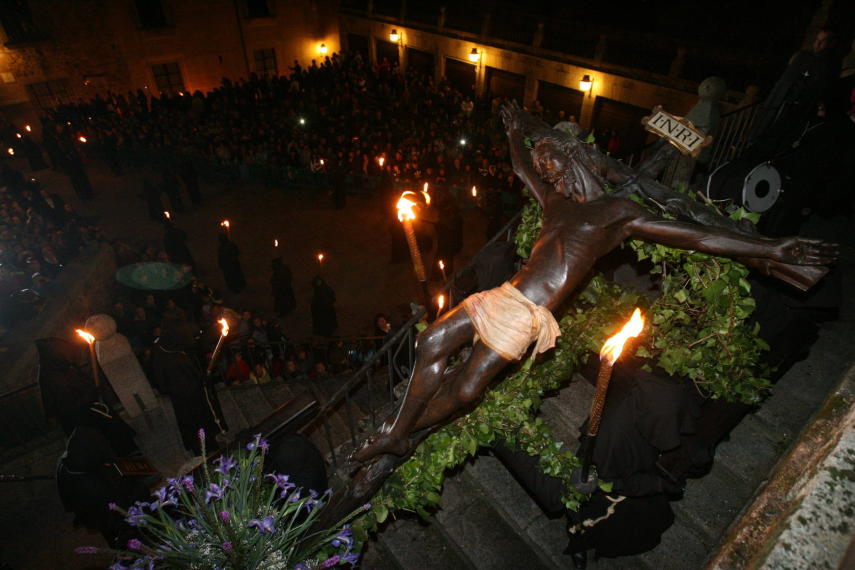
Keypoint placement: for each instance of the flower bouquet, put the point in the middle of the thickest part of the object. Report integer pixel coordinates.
(231, 516)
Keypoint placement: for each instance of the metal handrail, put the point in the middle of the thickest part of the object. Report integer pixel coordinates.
(732, 136)
(389, 351)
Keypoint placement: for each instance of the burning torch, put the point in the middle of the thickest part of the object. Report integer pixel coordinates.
(609, 354)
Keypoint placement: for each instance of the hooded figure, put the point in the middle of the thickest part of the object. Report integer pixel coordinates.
(324, 319)
(121, 366)
(284, 302)
(175, 245)
(65, 389)
(228, 256)
(86, 480)
(178, 374)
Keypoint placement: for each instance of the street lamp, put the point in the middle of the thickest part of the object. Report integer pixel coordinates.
(474, 56)
(394, 36)
(586, 83)
(322, 49)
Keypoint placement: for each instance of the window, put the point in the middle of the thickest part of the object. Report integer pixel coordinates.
(151, 15)
(258, 9)
(265, 62)
(48, 94)
(167, 77)
(17, 20)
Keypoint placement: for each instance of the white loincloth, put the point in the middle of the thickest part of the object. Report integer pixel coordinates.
(508, 323)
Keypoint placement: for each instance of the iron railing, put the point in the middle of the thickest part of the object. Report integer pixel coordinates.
(733, 135)
(395, 359)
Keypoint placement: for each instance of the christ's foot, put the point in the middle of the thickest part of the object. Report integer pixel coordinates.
(380, 444)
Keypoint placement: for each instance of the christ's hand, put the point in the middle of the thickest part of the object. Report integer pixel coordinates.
(803, 251)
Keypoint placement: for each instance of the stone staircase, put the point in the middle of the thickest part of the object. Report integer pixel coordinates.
(487, 521)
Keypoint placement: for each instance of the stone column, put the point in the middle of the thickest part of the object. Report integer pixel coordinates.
(538, 36)
(439, 64)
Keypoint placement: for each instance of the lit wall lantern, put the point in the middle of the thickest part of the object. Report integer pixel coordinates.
(474, 56)
(586, 83)
(322, 49)
(394, 36)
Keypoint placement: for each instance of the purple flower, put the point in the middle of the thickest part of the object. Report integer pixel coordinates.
(264, 526)
(301, 566)
(187, 483)
(201, 434)
(163, 499)
(225, 516)
(259, 442)
(113, 506)
(86, 550)
(214, 492)
(351, 558)
(366, 506)
(118, 566)
(282, 482)
(332, 561)
(134, 544)
(136, 516)
(227, 546)
(226, 464)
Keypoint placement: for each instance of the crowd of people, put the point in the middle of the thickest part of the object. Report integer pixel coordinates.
(39, 234)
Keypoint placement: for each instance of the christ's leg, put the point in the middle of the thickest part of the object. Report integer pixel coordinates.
(467, 387)
(433, 348)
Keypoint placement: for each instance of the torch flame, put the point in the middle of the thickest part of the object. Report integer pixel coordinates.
(224, 327)
(440, 302)
(225, 224)
(441, 264)
(614, 345)
(405, 207)
(19, 135)
(81, 139)
(381, 160)
(276, 243)
(167, 214)
(11, 151)
(85, 335)
(28, 128)
(474, 192)
(320, 258)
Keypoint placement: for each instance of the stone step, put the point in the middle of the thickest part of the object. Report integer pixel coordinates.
(547, 536)
(235, 416)
(409, 543)
(566, 411)
(469, 518)
(252, 402)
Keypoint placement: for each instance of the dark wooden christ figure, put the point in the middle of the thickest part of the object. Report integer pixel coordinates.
(581, 224)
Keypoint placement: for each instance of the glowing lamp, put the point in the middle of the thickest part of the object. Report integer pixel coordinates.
(474, 56)
(322, 49)
(586, 83)
(394, 36)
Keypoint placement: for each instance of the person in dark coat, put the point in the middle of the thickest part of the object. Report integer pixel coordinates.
(284, 301)
(33, 153)
(324, 319)
(228, 256)
(187, 172)
(175, 244)
(65, 388)
(151, 195)
(78, 178)
(179, 375)
(172, 188)
(86, 480)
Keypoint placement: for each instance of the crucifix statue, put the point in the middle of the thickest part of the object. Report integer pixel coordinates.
(581, 224)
